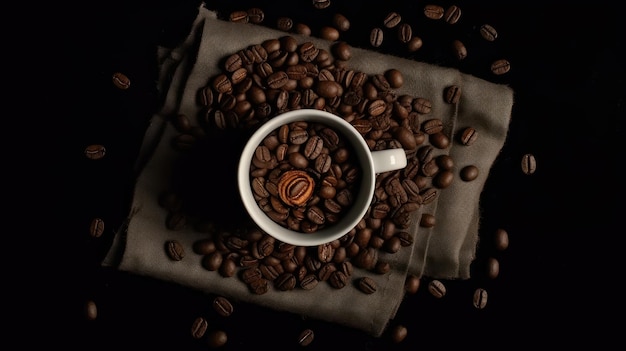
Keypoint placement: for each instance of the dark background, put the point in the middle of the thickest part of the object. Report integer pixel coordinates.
(556, 286)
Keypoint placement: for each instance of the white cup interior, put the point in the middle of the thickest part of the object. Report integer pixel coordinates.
(362, 196)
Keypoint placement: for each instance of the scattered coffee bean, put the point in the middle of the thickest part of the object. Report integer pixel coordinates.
(284, 23)
(341, 22)
(427, 220)
(469, 173)
(91, 310)
(501, 66)
(199, 327)
(488, 32)
(302, 29)
(452, 14)
(468, 136)
(452, 94)
(239, 17)
(434, 12)
(121, 81)
(96, 228)
(414, 44)
(367, 285)
(256, 15)
(306, 337)
(501, 239)
(174, 250)
(411, 284)
(405, 33)
(222, 306)
(398, 333)
(392, 19)
(480, 298)
(493, 268)
(436, 288)
(459, 49)
(217, 338)
(95, 151)
(321, 4)
(529, 164)
(376, 37)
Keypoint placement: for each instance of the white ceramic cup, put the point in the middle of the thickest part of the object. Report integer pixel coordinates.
(370, 162)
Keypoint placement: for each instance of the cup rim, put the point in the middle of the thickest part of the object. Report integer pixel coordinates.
(349, 219)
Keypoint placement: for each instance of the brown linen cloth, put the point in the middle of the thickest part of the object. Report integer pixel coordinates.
(444, 251)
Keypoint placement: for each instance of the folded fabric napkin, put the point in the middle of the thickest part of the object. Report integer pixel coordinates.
(443, 251)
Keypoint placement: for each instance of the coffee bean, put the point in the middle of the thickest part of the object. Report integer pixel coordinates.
(321, 4)
(529, 164)
(452, 94)
(222, 306)
(434, 12)
(217, 338)
(199, 327)
(367, 285)
(452, 14)
(411, 284)
(443, 179)
(341, 22)
(436, 288)
(427, 220)
(306, 337)
(309, 282)
(468, 136)
(501, 66)
(414, 44)
(405, 33)
(174, 250)
(376, 37)
(501, 239)
(398, 333)
(329, 33)
(459, 49)
(493, 268)
(469, 173)
(488, 32)
(91, 310)
(96, 228)
(284, 23)
(392, 19)
(480, 298)
(95, 151)
(256, 15)
(121, 81)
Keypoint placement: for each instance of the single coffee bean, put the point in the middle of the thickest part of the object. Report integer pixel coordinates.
(238, 17)
(284, 23)
(414, 44)
(469, 173)
(480, 298)
(341, 22)
(329, 33)
(376, 37)
(121, 81)
(321, 4)
(452, 94)
(256, 15)
(405, 33)
(501, 66)
(452, 14)
(217, 338)
(439, 140)
(309, 282)
(459, 49)
(501, 239)
(427, 220)
(222, 306)
(367, 285)
(175, 250)
(306, 337)
(468, 136)
(95, 151)
(436, 288)
(488, 32)
(392, 19)
(96, 228)
(432, 126)
(199, 327)
(411, 283)
(529, 164)
(434, 12)
(493, 268)
(443, 179)
(398, 333)
(91, 310)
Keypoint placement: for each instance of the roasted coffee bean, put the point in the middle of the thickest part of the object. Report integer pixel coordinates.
(341, 22)
(398, 333)
(199, 327)
(405, 32)
(376, 37)
(452, 14)
(428, 195)
(228, 268)
(468, 136)
(367, 285)
(459, 49)
(96, 228)
(493, 267)
(427, 220)
(392, 19)
(95, 151)
(321, 4)
(302, 29)
(529, 164)
(432, 126)
(217, 338)
(238, 17)
(90, 310)
(382, 267)
(256, 15)
(436, 288)
(342, 51)
(306, 336)
(488, 32)
(309, 282)
(501, 66)
(222, 306)
(480, 298)
(434, 12)
(439, 140)
(285, 281)
(174, 250)
(414, 44)
(260, 286)
(469, 173)
(213, 261)
(411, 283)
(121, 81)
(443, 179)
(284, 23)
(501, 239)
(329, 33)
(338, 279)
(422, 105)
(452, 94)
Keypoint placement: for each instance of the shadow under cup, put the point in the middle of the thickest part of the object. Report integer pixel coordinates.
(363, 194)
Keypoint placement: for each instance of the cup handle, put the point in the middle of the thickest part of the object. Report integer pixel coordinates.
(389, 160)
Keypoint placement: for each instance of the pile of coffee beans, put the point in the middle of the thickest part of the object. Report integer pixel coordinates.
(304, 175)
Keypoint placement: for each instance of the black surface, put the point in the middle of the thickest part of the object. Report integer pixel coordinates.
(568, 77)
